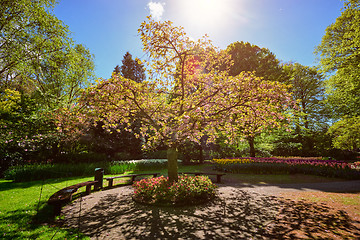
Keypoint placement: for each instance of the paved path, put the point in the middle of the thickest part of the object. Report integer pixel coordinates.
(344, 186)
(242, 211)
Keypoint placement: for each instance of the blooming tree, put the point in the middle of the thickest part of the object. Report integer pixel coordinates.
(189, 93)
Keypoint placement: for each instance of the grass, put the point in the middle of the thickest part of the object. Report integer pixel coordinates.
(23, 216)
(348, 202)
(346, 199)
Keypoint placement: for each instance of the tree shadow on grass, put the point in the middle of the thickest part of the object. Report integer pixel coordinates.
(21, 224)
(31, 217)
(239, 215)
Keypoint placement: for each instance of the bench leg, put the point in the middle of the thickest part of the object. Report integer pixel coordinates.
(155, 175)
(110, 182)
(88, 189)
(218, 178)
(133, 179)
(57, 209)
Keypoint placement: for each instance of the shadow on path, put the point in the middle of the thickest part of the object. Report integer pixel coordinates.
(339, 187)
(235, 214)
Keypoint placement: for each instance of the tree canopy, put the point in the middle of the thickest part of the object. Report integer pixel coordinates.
(311, 117)
(307, 87)
(262, 63)
(37, 54)
(189, 93)
(132, 68)
(251, 58)
(339, 54)
(346, 133)
(41, 69)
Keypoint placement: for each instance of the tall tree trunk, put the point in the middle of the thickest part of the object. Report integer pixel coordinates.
(172, 157)
(251, 145)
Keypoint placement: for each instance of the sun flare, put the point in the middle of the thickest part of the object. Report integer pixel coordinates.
(206, 15)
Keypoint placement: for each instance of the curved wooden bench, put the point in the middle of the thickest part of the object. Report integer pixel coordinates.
(64, 195)
(133, 176)
(218, 175)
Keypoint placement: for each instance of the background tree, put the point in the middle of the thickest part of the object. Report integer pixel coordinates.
(37, 53)
(25, 134)
(29, 32)
(247, 57)
(132, 69)
(60, 79)
(189, 93)
(116, 144)
(41, 65)
(117, 70)
(119, 143)
(340, 56)
(251, 58)
(346, 133)
(311, 117)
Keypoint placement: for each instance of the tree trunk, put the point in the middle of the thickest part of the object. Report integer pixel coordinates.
(172, 155)
(251, 145)
(201, 159)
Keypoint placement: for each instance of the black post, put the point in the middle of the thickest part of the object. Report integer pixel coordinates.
(99, 176)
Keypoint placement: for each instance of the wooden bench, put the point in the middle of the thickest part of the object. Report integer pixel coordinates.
(218, 175)
(133, 176)
(64, 195)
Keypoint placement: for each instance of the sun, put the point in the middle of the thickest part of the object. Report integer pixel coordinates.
(204, 12)
(205, 15)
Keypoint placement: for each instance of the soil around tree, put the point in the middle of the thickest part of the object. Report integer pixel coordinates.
(241, 212)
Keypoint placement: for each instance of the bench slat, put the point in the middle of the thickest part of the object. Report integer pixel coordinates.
(133, 176)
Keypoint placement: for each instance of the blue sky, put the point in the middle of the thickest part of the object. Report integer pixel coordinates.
(291, 29)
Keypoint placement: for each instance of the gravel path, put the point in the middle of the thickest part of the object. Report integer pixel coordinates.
(240, 212)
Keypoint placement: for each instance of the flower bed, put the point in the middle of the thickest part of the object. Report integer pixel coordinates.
(274, 165)
(355, 165)
(188, 190)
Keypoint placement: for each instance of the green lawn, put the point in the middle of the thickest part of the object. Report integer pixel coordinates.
(24, 213)
(23, 216)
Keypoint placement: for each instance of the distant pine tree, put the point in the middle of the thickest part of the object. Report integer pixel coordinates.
(117, 70)
(131, 68)
(120, 143)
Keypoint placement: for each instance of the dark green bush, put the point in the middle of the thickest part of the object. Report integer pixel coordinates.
(82, 157)
(58, 170)
(160, 154)
(46, 171)
(281, 168)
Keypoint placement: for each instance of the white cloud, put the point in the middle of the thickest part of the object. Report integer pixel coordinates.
(156, 10)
